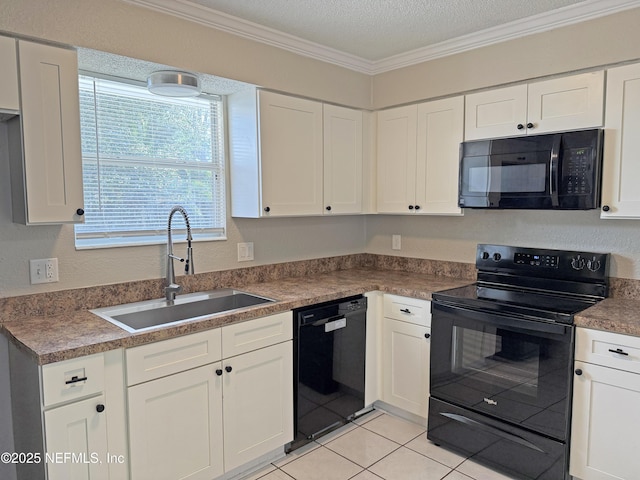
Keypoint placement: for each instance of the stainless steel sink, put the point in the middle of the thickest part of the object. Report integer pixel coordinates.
(149, 314)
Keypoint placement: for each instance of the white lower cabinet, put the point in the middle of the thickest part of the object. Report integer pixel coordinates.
(405, 354)
(258, 403)
(175, 426)
(606, 395)
(212, 402)
(78, 429)
(69, 417)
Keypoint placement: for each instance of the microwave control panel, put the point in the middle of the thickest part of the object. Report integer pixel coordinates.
(577, 171)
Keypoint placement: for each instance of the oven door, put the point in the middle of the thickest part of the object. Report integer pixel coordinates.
(512, 369)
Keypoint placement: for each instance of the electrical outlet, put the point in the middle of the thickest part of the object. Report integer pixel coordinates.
(245, 252)
(44, 270)
(396, 242)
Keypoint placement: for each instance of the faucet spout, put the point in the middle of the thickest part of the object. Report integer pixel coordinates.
(171, 287)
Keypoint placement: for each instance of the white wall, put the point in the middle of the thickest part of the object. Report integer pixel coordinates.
(455, 238)
(606, 40)
(120, 28)
(275, 240)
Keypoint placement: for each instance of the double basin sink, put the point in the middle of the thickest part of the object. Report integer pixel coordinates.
(139, 316)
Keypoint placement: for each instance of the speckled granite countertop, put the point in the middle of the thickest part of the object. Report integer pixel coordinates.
(52, 333)
(52, 338)
(618, 315)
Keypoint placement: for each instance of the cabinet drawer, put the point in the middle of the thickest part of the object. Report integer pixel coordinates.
(253, 334)
(609, 349)
(407, 309)
(159, 359)
(72, 379)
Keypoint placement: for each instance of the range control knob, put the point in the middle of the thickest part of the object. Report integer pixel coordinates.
(485, 255)
(593, 264)
(496, 257)
(578, 263)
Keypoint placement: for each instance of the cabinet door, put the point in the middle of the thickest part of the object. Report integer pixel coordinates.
(76, 441)
(397, 128)
(342, 160)
(175, 426)
(621, 168)
(258, 403)
(604, 435)
(496, 113)
(291, 155)
(50, 118)
(440, 131)
(566, 103)
(9, 99)
(405, 366)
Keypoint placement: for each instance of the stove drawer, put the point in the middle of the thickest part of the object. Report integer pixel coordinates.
(405, 309)
(608, 349)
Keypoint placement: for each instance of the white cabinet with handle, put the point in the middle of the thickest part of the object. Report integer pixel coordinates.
(342, 154)
(44, 140)
(606, 395)
(212, 402)
(293, 156)
(71, 414)
(406, 335)
(621, 169)
(565, 103)
(418, 157)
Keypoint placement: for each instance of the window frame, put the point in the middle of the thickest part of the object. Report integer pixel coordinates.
(157, 236)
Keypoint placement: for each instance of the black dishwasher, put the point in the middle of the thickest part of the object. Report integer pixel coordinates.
(329, 366)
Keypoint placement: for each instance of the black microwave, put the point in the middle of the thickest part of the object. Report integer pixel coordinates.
(556, 171)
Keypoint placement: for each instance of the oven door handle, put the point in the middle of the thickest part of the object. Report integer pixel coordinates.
(496, 431)
(498, 319)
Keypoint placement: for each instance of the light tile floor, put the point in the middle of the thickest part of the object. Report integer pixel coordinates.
(377, 446)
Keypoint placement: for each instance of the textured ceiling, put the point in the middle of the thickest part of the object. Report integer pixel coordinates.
(377, 29)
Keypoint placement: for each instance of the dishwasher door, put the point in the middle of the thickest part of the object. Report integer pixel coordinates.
(329, 371)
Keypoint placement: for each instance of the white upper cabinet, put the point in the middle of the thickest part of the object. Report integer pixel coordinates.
(621, 168)
(440, 125)
(342, 160)
(299, 158)
(496, 113)
(397, 133)
(44, 146)
(418, 157)
(9, 97)
(290, 154)
(566, 103)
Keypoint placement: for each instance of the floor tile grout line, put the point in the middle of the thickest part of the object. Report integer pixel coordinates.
(353, 426)
(366, 468)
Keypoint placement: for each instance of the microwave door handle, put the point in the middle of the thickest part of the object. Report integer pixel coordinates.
(553, 170)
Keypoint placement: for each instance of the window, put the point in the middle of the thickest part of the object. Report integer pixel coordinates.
(141, 155)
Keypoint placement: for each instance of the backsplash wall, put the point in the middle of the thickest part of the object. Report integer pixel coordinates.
(455, 238)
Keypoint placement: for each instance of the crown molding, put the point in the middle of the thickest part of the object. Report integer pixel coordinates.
(587, 10)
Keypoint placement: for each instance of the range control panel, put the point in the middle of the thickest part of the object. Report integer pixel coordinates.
(536, 260)
(558, 264)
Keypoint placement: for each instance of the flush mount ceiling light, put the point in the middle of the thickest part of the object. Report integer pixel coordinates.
(173, 84)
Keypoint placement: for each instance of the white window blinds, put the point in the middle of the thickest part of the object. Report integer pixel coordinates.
(141, 155)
